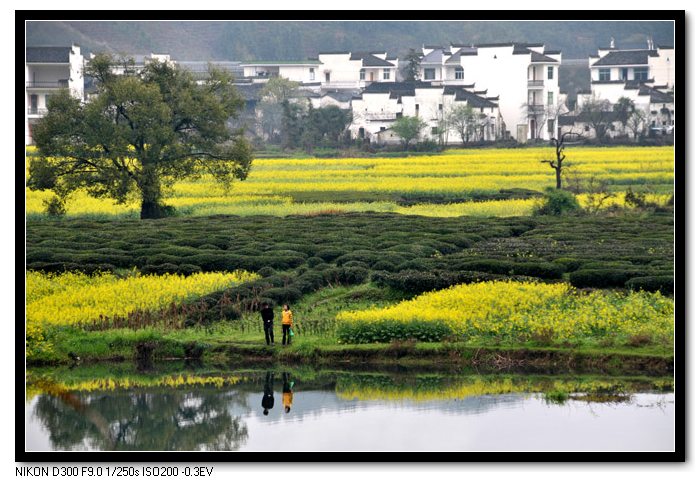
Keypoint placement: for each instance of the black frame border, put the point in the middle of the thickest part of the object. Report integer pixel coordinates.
(680, 361)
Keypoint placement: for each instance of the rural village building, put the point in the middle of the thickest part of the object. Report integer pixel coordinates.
(46, 70)
(380, 104)
(645, 76)
(512, 86)
(524, 77)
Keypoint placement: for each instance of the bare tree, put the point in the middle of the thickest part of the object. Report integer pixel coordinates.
(566, 138)
(463, 119)
(638, 122)
(597, 114)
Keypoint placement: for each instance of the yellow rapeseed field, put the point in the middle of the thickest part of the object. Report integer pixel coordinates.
(272, 183)
(76, 298)
(524, 310)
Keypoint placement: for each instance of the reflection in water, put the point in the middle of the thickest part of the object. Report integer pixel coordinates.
(344, 411)
(180, 420)
(268, 400)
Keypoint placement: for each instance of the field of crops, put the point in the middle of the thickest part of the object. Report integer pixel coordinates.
(517, 312)
(77, 299)
(464, 182)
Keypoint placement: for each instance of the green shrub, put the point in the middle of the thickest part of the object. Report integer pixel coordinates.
(568, 264)
(283, 295)
(664, 284)
(388, 331)
(383, 265)
(602, 278)
(313, 261)
(55, 206)
(557, 202)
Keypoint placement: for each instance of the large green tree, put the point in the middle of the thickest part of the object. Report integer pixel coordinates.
(464, 120)
(140, 132)
(408, 129)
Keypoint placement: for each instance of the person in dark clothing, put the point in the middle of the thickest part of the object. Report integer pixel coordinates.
(268, 317)
(268, 400)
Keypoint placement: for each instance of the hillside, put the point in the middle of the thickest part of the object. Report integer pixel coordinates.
(299, 40)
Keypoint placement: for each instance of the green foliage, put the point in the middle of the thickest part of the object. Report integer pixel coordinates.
(464, 120)
(411, 72)
(408, 129)
(55, 206)
(602, 278)
(387, 331)
(557, 202)
(664, 284)
(140, 132)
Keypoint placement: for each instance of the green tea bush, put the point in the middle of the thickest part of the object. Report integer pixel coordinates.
(388, 331)
(602, 278)
(664, 284)
(557, 202)
(283, 295)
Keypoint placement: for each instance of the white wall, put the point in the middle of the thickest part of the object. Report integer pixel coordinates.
(505, 76)
(662, 68)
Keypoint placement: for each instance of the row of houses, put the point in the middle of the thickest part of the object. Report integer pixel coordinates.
(512, 87)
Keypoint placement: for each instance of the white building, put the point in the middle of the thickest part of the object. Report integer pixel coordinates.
(525, 77)
(48, 69)
(612, 70)
(380, 104)
(645, 76)
(331, 70)
(306, 72)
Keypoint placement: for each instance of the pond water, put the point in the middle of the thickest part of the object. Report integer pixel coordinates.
(203, 409)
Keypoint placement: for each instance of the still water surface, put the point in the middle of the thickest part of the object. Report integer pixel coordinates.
(342, 411)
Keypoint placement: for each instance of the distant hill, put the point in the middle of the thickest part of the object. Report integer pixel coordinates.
(300, 40)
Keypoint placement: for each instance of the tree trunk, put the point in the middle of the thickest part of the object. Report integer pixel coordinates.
(558, 172)
(149, 184)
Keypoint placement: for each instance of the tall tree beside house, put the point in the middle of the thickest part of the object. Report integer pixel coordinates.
(638, 122)
(597, 114)
(141, 132)
(411, 71)
(463, 119)
(276, 91)
(292, 124)
(624, 108)
(408, 129)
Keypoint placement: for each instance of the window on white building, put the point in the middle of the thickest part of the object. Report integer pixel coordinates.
(603, 74)
(459, 73)
(428, 74)
(417, 108)
(387, 74)
(434, 131)
(550, 72)
(362, 74)
(641, 73)
(550, 126)
(550, 98)
(623, 73)
(312, 74)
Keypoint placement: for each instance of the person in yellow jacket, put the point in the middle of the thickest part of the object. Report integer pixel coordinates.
(286, 325)
(287, 394)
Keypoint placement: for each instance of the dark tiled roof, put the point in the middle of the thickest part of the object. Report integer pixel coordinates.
(567, 120)
(538, 57)
(57, 55)
(656, 97)
(605, 116)
(502, 44)
(625, 57)
(340, 96)
(474, 100)
(607, 81)
(451, 89)
(334, 52)
(369, 60)
(636, 84)
(395, 88)
(435, 47)
(434, 57)
(665, 47)
(552, 52)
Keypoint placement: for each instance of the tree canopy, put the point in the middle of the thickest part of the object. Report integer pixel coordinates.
(408, 129)
(142, 130)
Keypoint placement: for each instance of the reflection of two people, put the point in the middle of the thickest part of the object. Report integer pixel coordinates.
(268, 400)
